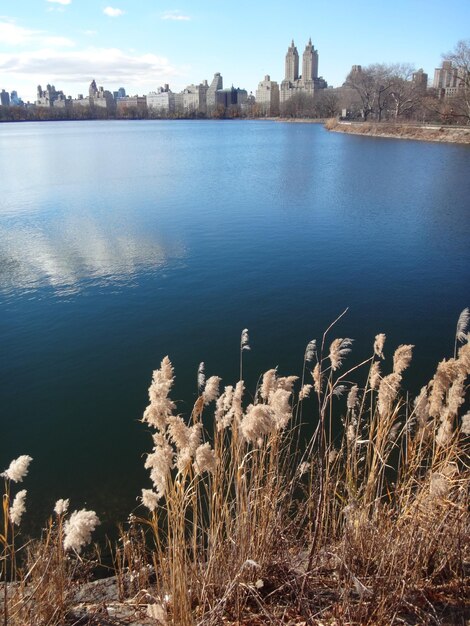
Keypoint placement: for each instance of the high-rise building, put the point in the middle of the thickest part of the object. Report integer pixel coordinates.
(267, 96)
(420, 80)
(161, 101)
(449, 80)
(309, 62)
(292, 63)
(4, 98)
(211, 96)
(15, 100)
(308, 82)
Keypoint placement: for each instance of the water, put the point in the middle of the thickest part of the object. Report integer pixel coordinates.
(121, 242)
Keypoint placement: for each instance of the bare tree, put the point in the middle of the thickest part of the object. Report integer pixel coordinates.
(326, 103)
(405, 93)
(373, 84)
(460, 58)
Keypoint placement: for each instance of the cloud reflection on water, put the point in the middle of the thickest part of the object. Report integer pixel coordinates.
(78, 253)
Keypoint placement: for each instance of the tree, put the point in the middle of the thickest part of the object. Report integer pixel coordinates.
(299, 104)
(405, 93)
(373, 84)
(326, 103)
(460, 58)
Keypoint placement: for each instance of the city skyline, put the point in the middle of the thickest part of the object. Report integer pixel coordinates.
(143, 44)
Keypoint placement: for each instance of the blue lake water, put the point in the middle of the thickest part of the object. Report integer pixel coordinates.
(121, 242)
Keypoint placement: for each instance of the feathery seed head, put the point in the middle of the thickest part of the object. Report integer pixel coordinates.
(305, 392)
(462, 325)
(339, 390)
(402, 358)
(379, 345)
(316, 374)
(388, 390)
(18, 468)
(195, 437)
(286, 382)
(421, 408)
(339, 349)
(374, 376)
(211, 391)
(18, 507)
(183, 460)
(78, 529)
(269, 384)
(160, 463)
(160, 407)
(61, 506)
(150, 499)
(257, 422)
(205, 460)
(178, 432)
(281, 408)
(244, 342)
(351, 402)
(201, 377)
(310, 351)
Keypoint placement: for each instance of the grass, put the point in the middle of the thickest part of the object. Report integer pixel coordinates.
(247, 523)
(400, 130)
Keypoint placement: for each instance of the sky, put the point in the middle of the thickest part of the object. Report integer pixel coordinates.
(142, 44)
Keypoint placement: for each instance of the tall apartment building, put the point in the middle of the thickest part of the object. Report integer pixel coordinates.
(420, 80)
(4, 98)
(211, 96)
(161, 101)
(267, 96)
(448, 80)
(308, 82)
(96, 97)
(195, 98)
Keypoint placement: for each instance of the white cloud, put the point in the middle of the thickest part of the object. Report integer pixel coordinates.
(111, 12)
(13, 35)
(110, 66)
(64, 2)
(177, 16)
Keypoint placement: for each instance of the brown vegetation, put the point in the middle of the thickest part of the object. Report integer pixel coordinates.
(246, 524)
(450, 134)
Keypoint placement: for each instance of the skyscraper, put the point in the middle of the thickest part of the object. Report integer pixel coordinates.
(308, 82)
(292, 63)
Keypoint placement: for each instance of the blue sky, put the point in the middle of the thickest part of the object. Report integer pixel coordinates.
(141, 44)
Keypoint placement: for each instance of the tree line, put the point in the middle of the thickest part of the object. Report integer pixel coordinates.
(376, 92)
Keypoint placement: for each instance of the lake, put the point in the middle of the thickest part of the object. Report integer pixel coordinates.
(121, 242)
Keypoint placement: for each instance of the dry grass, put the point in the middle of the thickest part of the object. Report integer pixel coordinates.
(401, 131)
(248, 524)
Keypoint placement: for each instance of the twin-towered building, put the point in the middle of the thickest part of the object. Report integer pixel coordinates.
(204, 98)
(308, 82)
(270, 97)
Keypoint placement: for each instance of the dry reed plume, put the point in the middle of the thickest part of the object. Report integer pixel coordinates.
(248, 520)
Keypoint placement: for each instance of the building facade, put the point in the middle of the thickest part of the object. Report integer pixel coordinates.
(4, 98)
(308, 82)
(449, 80)
(161, 101)
(267, 96)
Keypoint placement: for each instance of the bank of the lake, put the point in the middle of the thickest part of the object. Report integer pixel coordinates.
(442, 134)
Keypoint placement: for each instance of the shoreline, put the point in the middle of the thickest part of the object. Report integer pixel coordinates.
(387, 130)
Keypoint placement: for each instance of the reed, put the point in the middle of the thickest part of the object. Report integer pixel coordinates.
(246, 519)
